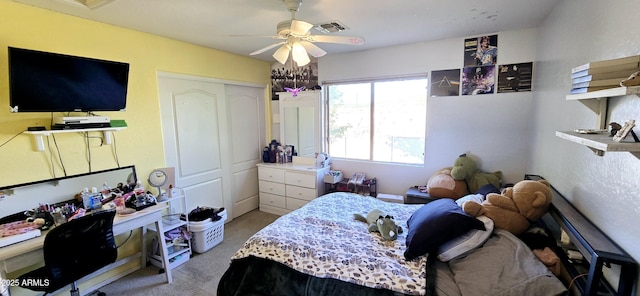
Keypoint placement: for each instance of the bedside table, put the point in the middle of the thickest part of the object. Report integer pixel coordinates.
(414, 196)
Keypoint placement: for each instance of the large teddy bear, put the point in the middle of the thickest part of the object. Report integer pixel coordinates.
(465, 168)
(516, 207)
(442, 185)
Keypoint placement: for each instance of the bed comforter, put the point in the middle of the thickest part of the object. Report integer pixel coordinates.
(320, 249)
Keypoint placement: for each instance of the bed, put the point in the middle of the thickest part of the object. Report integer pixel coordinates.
(320, 249)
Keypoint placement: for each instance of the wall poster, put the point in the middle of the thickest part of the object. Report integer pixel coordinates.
(478, 80)
(481, 51)
(291, 76)
(445, 83)
(515, 77)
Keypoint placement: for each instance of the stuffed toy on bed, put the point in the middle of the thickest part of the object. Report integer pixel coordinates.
(465, 168)
(516, 207)
(379, 222)
(442, 185)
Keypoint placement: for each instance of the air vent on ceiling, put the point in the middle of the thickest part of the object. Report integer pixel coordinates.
(330, 27)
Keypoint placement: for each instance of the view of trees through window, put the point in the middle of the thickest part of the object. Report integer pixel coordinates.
(380, 120)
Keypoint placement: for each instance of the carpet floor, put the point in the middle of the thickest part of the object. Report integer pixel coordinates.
(201, 274)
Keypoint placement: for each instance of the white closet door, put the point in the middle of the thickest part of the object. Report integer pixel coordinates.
(246, 116)
(195, 131)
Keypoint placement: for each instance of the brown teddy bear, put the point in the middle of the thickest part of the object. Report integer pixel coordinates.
(516, 207)
(442, 185)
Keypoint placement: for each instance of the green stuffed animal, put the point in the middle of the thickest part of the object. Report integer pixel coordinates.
(466, 169)
(379, 222)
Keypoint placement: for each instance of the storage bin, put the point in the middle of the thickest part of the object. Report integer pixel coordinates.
(332, 177)
(207, 234)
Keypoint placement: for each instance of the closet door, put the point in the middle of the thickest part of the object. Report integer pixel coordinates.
(195, 131)
(246, 115)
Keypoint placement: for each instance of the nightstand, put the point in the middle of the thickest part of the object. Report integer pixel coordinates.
(414, 196)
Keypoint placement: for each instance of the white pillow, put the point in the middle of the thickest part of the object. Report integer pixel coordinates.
(479, 198)
(461, 245)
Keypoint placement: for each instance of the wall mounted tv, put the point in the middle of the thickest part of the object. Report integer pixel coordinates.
(50, 82)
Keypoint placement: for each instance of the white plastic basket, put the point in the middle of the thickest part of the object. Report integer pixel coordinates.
(207, 234)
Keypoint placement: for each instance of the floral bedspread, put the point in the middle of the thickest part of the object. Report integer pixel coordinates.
(322, 239)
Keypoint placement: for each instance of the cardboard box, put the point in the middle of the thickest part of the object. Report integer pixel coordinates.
(390, 197)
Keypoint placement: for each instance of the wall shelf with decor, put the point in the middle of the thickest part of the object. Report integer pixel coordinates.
(597, 101)
(38, 135)
(600, 142)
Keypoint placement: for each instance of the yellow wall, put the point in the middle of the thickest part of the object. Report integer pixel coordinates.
(141, 143)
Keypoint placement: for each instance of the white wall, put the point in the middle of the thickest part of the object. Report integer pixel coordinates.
(606, 189)
(493, 128)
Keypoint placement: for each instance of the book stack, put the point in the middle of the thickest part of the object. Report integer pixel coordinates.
(603, 74)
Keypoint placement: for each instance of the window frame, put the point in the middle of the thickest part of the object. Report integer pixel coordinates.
(372, 82)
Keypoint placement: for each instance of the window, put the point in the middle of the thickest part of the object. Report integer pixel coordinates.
(383, 120)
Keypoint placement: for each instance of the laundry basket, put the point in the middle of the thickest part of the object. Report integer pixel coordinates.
(207, 234)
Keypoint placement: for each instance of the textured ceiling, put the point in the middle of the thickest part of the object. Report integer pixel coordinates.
(381, 23)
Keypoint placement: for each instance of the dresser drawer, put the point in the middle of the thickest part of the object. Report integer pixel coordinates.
(269, 174)
(271, 187)
(294, 203)
(272, 200)
(298, 179)
(301, 192)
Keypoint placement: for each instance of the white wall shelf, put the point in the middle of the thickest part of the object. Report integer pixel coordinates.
(600, 142)
(38, 135)
(597, 101)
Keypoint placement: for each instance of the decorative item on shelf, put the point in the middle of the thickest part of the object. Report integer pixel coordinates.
(294, 91)
(615, 127)
(626, 130)
(631, 80)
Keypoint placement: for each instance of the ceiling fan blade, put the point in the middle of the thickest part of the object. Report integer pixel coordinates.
(336, 39)
(300, 28)
(282, 54)
(313, 49)
(259, 51)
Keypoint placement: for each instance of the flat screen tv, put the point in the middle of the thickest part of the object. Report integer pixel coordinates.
(51, 82)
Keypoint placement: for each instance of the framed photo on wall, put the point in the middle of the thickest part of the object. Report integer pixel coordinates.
(445, 83)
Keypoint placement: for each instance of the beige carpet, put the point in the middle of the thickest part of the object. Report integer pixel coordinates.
(201, 274)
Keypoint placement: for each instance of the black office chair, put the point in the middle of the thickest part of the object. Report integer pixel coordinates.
(73, 250)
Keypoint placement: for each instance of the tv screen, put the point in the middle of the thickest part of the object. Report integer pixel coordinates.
(50, 82)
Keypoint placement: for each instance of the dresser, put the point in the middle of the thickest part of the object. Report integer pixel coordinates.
(289, 186)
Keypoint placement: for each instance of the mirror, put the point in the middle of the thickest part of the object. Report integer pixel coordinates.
(25, 196)
(299, 122)
(299, 129)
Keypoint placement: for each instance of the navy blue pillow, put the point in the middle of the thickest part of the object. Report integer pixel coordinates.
(436, 223)
(488, 188)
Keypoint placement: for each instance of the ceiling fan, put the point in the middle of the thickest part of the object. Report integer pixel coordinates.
(298, 41)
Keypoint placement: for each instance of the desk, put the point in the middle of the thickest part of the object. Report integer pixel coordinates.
(29, 252)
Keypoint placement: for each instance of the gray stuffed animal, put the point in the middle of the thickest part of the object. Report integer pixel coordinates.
(379, 222)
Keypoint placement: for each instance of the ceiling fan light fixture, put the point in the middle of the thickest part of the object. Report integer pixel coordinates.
(300, 54)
